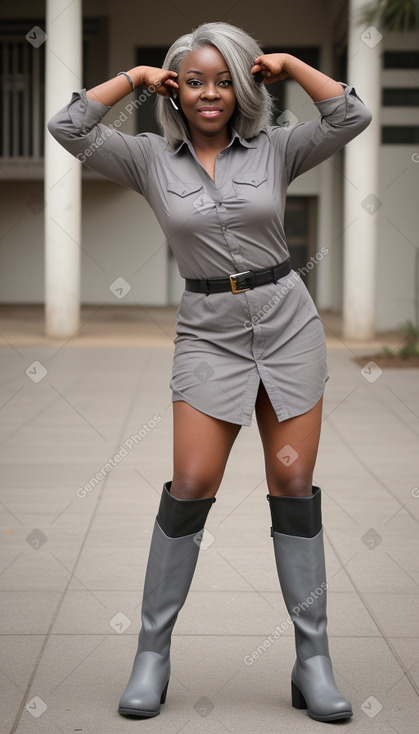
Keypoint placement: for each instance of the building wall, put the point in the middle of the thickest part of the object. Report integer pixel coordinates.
(398, 217)
(120, 235)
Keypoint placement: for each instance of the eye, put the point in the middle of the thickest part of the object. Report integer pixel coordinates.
(193, 82)
(226, 82)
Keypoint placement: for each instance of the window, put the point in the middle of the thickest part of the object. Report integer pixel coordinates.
(400, 135)
(401, 97)
(22, 86)
(22, 69)
(401, 60)
(300, 230)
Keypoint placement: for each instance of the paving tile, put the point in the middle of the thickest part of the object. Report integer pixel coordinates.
(28, 569)
(27, 612)
(113, 567)
(396, 613)
(377, 571)
(211, 687)
(19, 656)
(407, 648)
(96, 550)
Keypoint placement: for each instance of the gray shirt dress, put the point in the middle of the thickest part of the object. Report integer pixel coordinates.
(226, 343)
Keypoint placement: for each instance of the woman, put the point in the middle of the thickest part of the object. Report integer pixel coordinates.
(248, 334)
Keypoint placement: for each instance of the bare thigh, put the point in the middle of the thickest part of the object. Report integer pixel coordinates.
(290, 447)
(201, 447)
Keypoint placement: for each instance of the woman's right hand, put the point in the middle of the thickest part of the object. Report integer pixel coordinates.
(163, 80)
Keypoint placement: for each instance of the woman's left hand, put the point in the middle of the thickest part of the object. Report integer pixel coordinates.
(271, 66)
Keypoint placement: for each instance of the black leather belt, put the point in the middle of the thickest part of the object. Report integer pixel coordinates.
(239, 282)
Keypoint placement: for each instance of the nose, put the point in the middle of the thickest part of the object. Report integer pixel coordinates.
(210, 91)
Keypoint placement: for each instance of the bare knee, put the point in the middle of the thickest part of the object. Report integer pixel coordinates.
(296, 485)
(192, 486)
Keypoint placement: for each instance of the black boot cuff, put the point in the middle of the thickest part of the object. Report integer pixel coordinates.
(178, 518)
(299, 516)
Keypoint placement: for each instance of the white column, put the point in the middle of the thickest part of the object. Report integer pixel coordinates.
(328, 285)
(62, 172)
(361, 182)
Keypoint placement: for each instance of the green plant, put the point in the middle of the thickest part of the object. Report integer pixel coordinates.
(409, 350)
(393, 15)
(386, 352)
(410, 346)
(412, 336)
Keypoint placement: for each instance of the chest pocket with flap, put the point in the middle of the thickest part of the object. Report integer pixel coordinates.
(183, 189)
(245, 184)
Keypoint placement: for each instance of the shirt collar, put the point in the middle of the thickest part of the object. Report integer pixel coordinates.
(235, 136)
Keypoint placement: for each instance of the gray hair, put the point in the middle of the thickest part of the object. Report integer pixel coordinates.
(253, 102)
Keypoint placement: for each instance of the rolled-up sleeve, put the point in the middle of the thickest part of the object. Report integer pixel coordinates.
(120, 157)
(309, 143)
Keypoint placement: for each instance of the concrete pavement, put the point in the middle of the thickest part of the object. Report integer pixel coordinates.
(74, 546)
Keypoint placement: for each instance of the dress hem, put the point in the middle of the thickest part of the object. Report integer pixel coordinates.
(290, 414)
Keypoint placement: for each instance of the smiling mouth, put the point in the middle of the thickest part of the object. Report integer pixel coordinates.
(210, 112)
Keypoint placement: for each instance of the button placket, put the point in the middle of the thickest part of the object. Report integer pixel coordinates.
(222, 213)
(255, 305)
(219, 170)
(229, 238)
(214, 188)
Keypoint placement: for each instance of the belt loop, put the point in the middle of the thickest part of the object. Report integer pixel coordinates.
(207, 287)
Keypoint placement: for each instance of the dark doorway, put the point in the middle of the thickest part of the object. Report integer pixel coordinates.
(300, 231)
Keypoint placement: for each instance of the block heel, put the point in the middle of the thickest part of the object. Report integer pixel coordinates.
(297, 698)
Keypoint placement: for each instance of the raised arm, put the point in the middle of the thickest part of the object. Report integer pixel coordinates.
(120, 157)
(112, 91)
(343, 115)
(275, 67)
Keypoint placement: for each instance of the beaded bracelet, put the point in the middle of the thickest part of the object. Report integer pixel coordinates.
(124, 73)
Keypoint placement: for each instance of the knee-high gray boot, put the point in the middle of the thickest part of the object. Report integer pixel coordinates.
(299, 553)
(171, 564)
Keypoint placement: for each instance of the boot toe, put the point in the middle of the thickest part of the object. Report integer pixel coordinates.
(147, 686)
(143, 701)
(331, 710)
(316, 683)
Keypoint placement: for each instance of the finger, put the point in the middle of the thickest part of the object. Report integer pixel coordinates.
(169, 79)
(166, 89)
(170, 75)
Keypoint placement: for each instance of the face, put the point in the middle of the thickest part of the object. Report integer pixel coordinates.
(206, 92)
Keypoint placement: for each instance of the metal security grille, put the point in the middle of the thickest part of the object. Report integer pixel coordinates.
(21, 98)
(22, 85)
